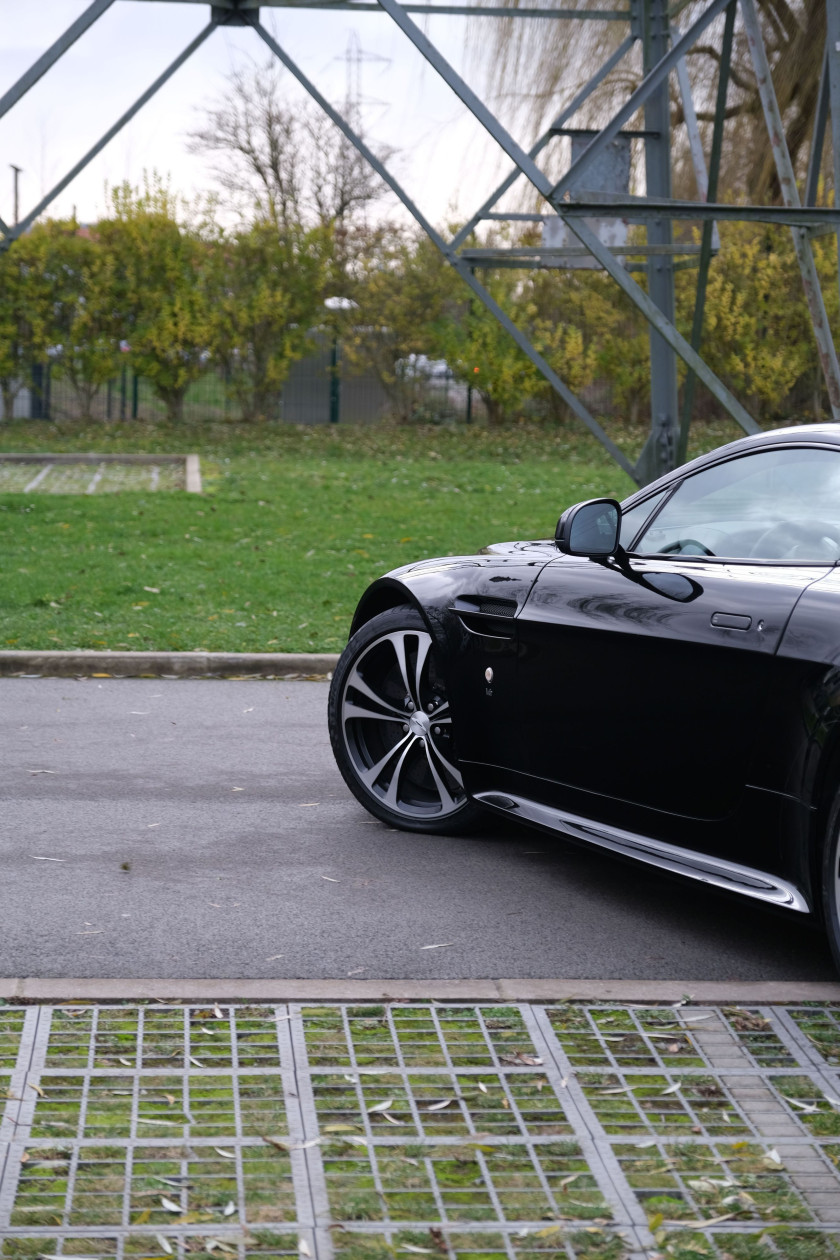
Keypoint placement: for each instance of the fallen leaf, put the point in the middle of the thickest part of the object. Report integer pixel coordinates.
(163, 1243)
(37, 1089)
(224, 1154)
(774, 1157)
(330, 879)
(170, 1124)
(672, 1089)
(439, 1106)
(229, 1208)
(339, 1128)
(126, 1062)
(443, 945)
(45, 859)
(170, 1098)
(237, 789)
(303, 1247)
(391, 1119)
(482, 1086)
(153, 590)
(354, 1140)
(801, 1105)
(382, 1106)
(170, 1206)
(418, 1251)
(218, 1012)
(196, 1062)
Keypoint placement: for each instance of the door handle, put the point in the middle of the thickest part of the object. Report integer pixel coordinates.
(731, 621)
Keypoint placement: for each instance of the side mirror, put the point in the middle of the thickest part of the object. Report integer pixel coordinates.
(589, 529)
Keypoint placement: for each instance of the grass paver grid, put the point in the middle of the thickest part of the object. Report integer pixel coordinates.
(443, 1130)
(52, 478)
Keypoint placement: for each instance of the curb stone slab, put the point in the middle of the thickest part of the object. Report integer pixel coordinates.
(53, 664)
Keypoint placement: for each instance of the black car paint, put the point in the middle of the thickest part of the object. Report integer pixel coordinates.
(585, 645)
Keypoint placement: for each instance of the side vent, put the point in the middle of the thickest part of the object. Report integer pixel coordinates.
(497, 607)
(485, 616)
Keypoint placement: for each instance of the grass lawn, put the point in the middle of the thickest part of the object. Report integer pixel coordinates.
(293, 524)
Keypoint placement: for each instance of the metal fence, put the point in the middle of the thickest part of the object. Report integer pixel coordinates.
(320, 389)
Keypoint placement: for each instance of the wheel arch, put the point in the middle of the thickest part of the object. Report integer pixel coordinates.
(382, 596)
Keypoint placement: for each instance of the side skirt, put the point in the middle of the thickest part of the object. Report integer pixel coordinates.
(669, 857)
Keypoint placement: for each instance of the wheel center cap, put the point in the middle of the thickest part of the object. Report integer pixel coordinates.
(418, 725)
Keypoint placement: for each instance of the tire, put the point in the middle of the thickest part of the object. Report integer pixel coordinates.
(831, 882)
(391, 728)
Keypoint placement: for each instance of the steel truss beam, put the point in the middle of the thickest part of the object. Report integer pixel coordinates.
(665, 51)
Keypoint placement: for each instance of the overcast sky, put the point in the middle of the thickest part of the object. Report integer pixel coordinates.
(444, 161)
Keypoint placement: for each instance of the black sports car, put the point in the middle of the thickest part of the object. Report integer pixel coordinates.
(661, 680)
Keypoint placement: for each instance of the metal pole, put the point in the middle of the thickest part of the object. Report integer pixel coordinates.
(17, 171)
(335, 383)
(832, 52)
(707, 241)
(812, 180)
(659, 454)
(790, 196)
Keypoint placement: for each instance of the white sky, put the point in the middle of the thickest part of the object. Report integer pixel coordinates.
(445, 160)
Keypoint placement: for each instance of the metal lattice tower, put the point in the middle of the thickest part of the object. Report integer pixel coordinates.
(664, 49)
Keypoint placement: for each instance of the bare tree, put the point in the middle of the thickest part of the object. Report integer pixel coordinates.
(287, 161)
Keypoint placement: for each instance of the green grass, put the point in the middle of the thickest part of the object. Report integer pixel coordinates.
(293, 525)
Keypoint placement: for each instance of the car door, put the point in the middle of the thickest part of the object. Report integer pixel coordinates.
(644, 679)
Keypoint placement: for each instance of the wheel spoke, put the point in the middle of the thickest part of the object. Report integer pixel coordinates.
(447, 800)
(370, 775)
(392, 795)
(450, 769)
(398, 643)
(352, 710)
(358, 684)
(424, 642)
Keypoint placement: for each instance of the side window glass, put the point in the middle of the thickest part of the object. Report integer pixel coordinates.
(770, 505)
(634, 518)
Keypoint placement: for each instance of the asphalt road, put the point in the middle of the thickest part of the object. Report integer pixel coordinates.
(183, 829)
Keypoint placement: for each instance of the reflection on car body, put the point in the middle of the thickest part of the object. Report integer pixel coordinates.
(665, 678)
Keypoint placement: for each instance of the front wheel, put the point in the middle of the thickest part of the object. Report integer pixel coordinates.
(831, 882)
(391, 727)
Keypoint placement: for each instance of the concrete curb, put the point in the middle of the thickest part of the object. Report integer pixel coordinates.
(166, 664)
(763, 992)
